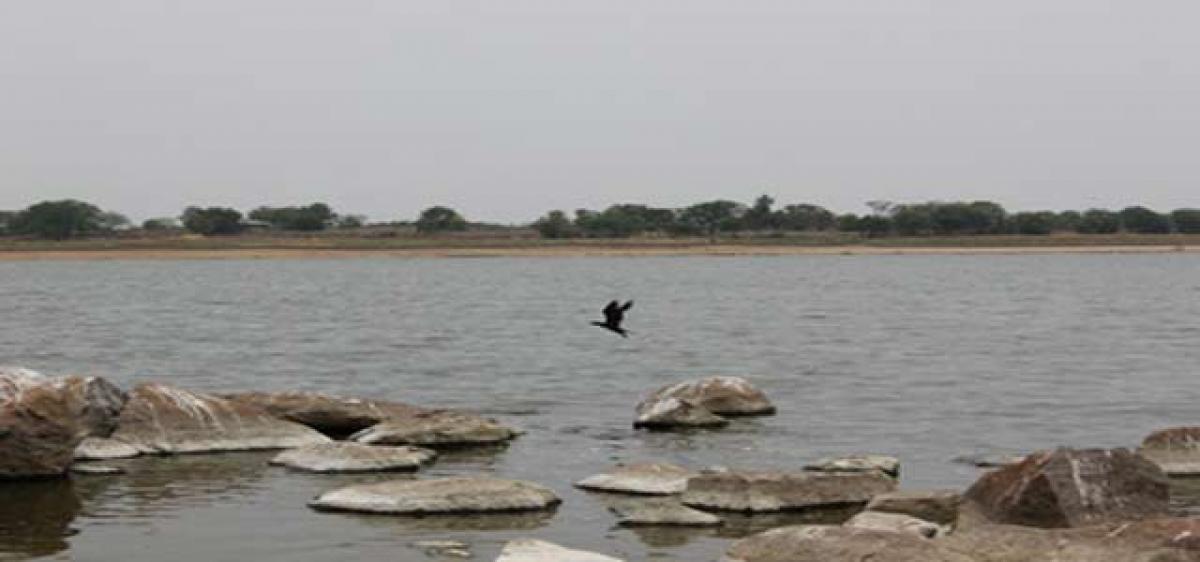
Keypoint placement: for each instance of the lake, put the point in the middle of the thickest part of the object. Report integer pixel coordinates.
(921, 357)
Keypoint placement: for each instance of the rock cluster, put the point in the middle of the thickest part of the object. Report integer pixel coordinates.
(703, 403)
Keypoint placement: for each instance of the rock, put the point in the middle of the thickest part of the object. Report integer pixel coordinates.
(1175, 450)
(671, 413)
(820, 543)
(159, 419)
(1155, 540)
(988, 460)
(332, 415)
(938, 506)
(894, 522)
(14, 380)
(456, 549)
(643, 478)
(94, 402)
(724, 396)
(646, 514)
(444, 495)
(353, 457)
(858, 463)
(1072, 488)
(530, 550)
(784, 491)
(40, 427)
(96, 469)
(436, 428)
(101, 448)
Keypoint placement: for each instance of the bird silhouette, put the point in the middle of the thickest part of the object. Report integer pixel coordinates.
(614, 314)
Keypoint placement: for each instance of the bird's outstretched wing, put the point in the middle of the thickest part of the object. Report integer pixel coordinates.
(627, 306)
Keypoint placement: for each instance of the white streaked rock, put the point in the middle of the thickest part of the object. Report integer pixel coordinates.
(532, 550)
(641, 478)
(353, 457)
(100, 448)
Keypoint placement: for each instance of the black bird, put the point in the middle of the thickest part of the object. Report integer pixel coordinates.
(614, 313)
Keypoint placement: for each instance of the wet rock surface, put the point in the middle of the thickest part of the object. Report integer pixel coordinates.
(1175, 450)
(768, 491)
(724, 396)
(354, 457)
(532, 550)
(663, 514)
(439, 496)
(437, 428)
(675, 413)
(640, 478)
(818, 543)
(101, 448)
(857, 463)
(329, 414)
(937, 506)
(40, 426)
(894, 522)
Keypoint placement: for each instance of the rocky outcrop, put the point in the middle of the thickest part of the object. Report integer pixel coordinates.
(641, 478)
(1072, 488)
(354, 457)
(531, 550)
(100, 449)
(332, 415)
(436, 428)
(39, 428)
(857, 463)
(444, 495)
(724, 396)
(673, 413)
(894, 522)
(819, 543)
(159, 419)
(14, 381)
(93, 402)
(784, 491)
(1175, 450)
(937, 506)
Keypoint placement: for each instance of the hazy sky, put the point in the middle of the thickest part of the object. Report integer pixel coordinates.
(508, 108)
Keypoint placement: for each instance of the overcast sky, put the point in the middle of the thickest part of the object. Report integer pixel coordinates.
(505, 109)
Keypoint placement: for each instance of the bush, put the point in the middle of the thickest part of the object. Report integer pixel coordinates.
(313, 217)
(1186, 221)
(212, 221)
(58, 220)
(1036, 223)
(440, 219)
(1144, 221)
(1099, 221)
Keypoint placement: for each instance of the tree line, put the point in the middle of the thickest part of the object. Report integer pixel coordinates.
(70, 218)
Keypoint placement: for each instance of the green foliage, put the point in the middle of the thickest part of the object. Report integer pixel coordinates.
(712, 217)
(874, 226)
(1144, 221)
(350, 221)
(620, 221)
(1037, 223)
(58, 220)
(6, 218)
(440, 219)
(1068, 221)
(163, 223)
(212, 221)
(912, 220)
(1187, 221)
(760, 216)
(311, 218)
(1099, 221)
(555, 224)
(805, 217)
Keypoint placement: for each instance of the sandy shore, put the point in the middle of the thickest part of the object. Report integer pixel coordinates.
(572, 251)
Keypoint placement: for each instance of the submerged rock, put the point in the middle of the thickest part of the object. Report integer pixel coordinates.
(821, 543)
(724, 396)
(857, 463)
(663, 514)
(436, 428)
(332, 415)
(456, 549)
(96, 469)
(159, 419)
(784, 491)
(938, 506)
(444, 495)
(353, 457)
(894, 522)
(531, 550)
(671, 413)
(101, 448)
(1072, 488)
(642, 478)
(989, 460)
(1175, 450)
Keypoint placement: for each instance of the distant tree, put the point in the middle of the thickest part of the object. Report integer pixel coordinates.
(1144, 221)
(848, 222)
(881, 208)
(6, 218)
(805, 217)
(163, 223)
(1039, 223)
(760, 216)
(312, 217)
(113, 221)
(1186, 221)
(212, 221)
(874, 226)
(1068, 220)
(440, 219)
(1099, 221)
(58, 220)
(912, 219)
(555, 224)
(351, 221)
(712, 217)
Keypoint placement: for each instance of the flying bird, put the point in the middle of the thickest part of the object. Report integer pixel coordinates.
(614, 313)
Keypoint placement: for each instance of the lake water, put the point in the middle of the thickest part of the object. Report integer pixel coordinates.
(921, 357)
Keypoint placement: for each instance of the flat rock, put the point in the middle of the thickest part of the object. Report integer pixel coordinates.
(1154, 540)
(1072, 488)
(436, 428)
(663, 514)
(532, 550)
(724, 396)
(673, 413)
(857, 463)
(354, 457)
(158, 419)
(641, 478)
(769, 491)
(444, 495)
(451, 548)
(1175, 450)
(821, 543)
(894, 522)
(96, 469)
(937, 506)
(101, 448)
(329, 414)
(989, 460)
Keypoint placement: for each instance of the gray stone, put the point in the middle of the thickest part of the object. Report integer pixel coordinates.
(894, 522)
(354, 457)
(663, 514)
(531, 550)
(724, 396)
(857, 463)
(334, 415)
(819, 543)
(445, 495)
(641, 478)
(100, 448)
(1175, 450)
(938, 506)
(96, 469)
(673, 413)
(436, 428)
(783, 491)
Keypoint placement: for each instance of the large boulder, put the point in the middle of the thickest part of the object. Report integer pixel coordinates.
(159, 419)
(675, 413)
(1175, 450)
(353, 457)
(14, 381)
(444, 495)
(1154, 540)
(1072, 488)
(724, 396)
(819, 543)
(436, 428)
(38, 431)
(784, 491)
(531, 550)
(332, 415)
(93, 402)
(938, 506)
(641, 478)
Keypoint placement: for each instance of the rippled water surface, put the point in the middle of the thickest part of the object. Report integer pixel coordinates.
(922, 357)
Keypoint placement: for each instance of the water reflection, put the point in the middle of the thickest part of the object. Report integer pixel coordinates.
(156, 485)
(36, 516)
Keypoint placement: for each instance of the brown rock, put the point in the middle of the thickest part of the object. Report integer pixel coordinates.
(436, 428)
(784, 491)
(672, 413)
(817, 543)
(724, 396)
(640, 478)
(1072, 488)
(1175, 450)
(332, 415)
(894, 522)
(938, 506)
(159, 419)
(39, 430)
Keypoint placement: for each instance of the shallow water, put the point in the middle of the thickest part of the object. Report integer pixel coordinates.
(922, 357)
